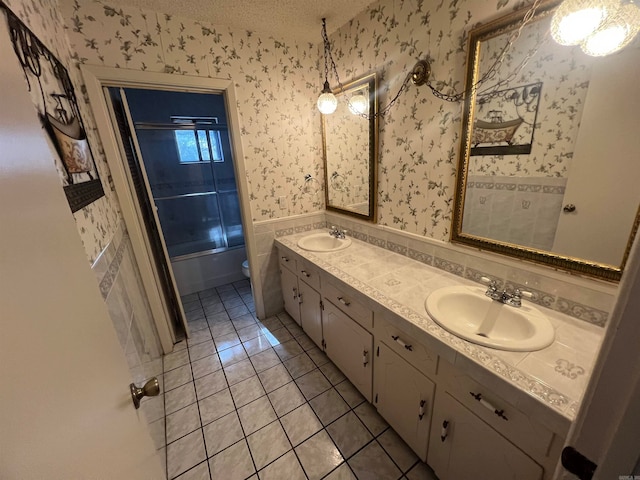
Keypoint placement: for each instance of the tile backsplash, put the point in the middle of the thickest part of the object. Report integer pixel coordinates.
(584, 299)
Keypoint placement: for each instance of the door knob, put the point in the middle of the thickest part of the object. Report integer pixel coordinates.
(150, 389)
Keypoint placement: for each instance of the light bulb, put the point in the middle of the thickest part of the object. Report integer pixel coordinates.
(358, 104)
(575, 20)
(327, 101)
(617, 32)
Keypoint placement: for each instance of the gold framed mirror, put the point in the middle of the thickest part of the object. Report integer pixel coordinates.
(548, 162)
(350, 147)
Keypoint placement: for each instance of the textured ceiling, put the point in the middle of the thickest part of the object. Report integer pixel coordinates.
(298, 19)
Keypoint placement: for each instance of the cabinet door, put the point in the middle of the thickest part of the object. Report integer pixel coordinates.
(310, 313)
(404, 397)
(471, 448)
(349, 346)
(290, 293)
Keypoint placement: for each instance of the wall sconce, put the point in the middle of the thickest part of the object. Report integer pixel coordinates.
(600, 27)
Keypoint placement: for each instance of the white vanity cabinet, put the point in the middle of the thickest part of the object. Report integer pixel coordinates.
(289, 283)
(310, 312)
(404, 397)
(461, 427)
(300, 284)
(349, 346)
(463, 446)
(486, 435)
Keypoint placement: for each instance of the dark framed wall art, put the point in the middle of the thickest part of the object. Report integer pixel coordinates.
(55, 100)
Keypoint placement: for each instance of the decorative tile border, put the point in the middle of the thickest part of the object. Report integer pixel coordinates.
(572, 308)
(420, 256)
(114, 267)
(582, 312)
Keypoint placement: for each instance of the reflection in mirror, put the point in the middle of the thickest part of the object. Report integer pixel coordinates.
(350, 138)
(549, 155)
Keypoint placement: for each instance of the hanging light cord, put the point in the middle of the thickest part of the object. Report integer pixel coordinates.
(493, 69)
(448, 97)
(327, 53)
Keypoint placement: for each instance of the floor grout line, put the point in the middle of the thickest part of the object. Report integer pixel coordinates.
(290, 327)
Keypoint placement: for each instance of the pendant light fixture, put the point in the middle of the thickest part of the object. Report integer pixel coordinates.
(600, 27)
(420, 74)
(359, 104)
(327, 102)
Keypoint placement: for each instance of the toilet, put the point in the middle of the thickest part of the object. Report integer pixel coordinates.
(245, 269)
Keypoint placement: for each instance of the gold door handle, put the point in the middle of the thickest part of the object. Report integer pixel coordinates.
(150, 389)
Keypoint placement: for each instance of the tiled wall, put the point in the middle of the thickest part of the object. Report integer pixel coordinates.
(520, 210)
(122, 290)
(266, 232)
(587, 300)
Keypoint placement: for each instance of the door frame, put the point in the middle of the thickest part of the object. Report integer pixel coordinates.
(606, 429)
(95, 78)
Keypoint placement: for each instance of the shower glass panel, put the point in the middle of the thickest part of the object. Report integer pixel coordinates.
(189, 166)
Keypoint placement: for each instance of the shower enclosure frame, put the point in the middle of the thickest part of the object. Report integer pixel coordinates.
(98, 77)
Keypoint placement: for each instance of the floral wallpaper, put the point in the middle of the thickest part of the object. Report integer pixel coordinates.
(420, 137)
(276, 84)
(98, 221)
(563, 73)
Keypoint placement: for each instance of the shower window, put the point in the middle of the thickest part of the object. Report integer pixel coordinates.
(196, 143)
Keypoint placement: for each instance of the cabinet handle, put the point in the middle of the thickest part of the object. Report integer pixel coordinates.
(304, 272)
(346, 303)
(295, 293)
(365, 358)
(401, 343)
(421, 409)
(488, 406)
(300, 298)
(284, 258)
(444, 432)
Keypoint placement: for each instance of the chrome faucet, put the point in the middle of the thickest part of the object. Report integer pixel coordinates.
(512, 299)
(336, 232)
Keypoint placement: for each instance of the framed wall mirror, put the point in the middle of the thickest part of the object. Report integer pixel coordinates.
(350, 144)
(550, 153)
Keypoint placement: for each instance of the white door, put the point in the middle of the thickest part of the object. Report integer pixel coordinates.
(65, 407)
(404, 397)
(467, 448)
(290, 293)
(349, 346)
(603, 185)
(310, 313)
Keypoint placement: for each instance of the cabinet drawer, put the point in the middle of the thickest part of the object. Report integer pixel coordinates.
(307, 272)
(349, 305)
(287, 261)
(525, 432)
(413, 352)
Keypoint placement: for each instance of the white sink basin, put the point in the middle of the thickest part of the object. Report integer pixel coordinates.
(323, 242)
(468, 313)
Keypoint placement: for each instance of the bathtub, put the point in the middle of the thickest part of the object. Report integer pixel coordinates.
(203, 270)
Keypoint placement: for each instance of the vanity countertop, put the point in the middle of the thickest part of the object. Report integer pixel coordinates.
(548, 383)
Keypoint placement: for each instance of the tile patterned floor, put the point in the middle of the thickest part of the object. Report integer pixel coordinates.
(257, 399)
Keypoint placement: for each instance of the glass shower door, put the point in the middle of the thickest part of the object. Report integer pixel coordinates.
(197, 200)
